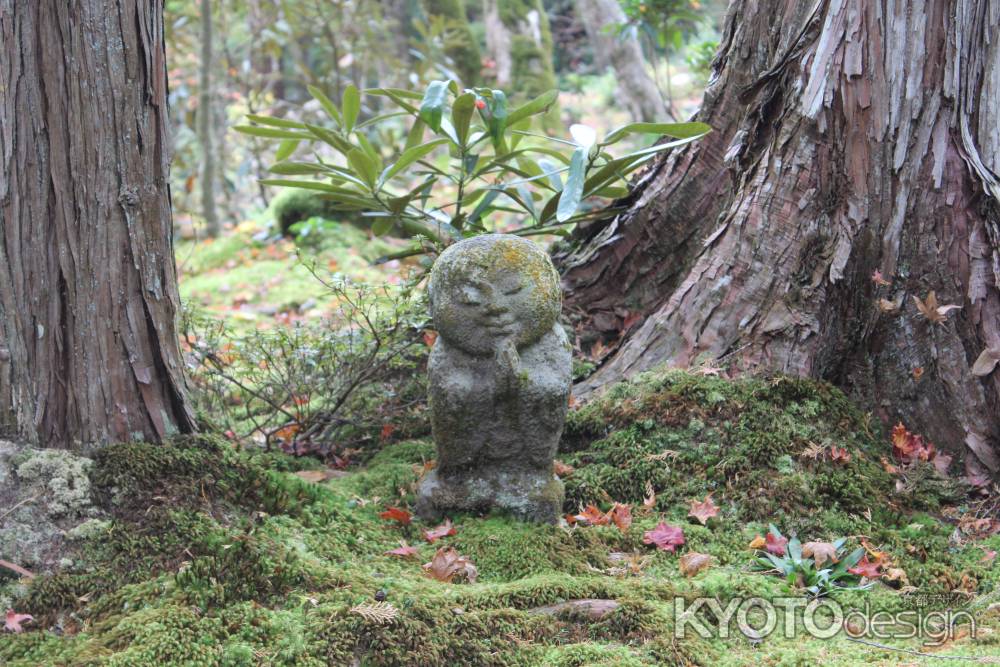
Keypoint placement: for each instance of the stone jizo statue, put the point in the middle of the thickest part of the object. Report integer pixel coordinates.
(499, 380)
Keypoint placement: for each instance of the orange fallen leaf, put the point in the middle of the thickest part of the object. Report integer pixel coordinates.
(839, 455)
(430, 337)
(591, 516)
(403, 551)
(757, 543)
(918, 373)
(704, 510)
(395, 514)
(820, 552)
(562, 469)
(621, 516)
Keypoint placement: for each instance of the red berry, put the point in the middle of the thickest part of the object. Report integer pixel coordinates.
(480, 104)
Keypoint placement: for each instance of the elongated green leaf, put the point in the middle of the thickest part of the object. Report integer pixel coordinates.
(286, 148)
(308, 185)
(497, 116)
(379, 118)
(331, 138)
(363, 166)
(370, 151)
(676, 130)
(398, 92)
(461, 115)
(276, 122)
(432, 104)
(296, 168)
(351, 105)
(327, 103)
(270, 132)
(572, 192)
(416, 135)
(408, 157)
(540, 104)
(382, 225)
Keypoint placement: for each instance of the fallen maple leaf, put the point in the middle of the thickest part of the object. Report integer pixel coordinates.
(986, 362)
(866, 568)
(444, 530)
(404, 551)
(447, 564)
(775, 544)
(757, 543)
(665, 537)
(989, 555)
(930, 309)
(562, 469)
(897, 574)
(621, 516)
(396, 514)
(820, 552)
(878, 279)
(387, 431)
(693, 562)
(839, 455)
(704, 510)
(918, 373)
(316, 476)
(591, 516)
(14, 621)
(430, 337)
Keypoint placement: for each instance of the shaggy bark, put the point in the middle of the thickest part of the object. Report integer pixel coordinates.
(88, 289)
(637, 89)
(849, 136)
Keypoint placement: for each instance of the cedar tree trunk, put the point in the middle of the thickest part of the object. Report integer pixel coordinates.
(88, 287)
(851, 136)
(635, 84)
(205, 124)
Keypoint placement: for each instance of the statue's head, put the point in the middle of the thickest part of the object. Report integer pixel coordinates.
(493, 288)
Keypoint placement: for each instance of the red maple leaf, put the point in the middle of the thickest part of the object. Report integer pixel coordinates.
(665, 537)
(387, 430)
(775, 544)
(396, 514)
(908, 447)
(866, 568)
(405, 551)
(621, 515)
(14, 621)
(444, 530)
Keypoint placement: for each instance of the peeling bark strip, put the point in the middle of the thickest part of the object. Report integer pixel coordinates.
(849, 136)
(88, 289)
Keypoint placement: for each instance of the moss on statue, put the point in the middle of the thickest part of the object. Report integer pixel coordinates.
(212, 556)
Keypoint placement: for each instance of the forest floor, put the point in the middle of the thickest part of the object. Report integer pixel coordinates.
(213, 555)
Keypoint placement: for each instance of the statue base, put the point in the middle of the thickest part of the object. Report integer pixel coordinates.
(529, 496)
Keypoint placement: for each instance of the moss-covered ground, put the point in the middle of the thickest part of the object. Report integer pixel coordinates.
(215, 556)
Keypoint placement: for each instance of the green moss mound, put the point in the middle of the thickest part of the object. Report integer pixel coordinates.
(215, 556)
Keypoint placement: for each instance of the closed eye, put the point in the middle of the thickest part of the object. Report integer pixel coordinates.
(514, 290)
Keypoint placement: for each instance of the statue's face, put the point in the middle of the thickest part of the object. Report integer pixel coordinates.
(492, 289)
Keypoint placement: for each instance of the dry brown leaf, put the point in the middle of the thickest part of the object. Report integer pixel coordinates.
(314, 476)
(693, 562)
(813, 451)
(757, 543)
(379, 613)
(930, 309)
(448, 564)
(918, 373)
(821, 552)
(649, 502)
(887, 306)
(987, 361)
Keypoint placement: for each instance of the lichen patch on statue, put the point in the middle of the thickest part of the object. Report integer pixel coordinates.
(499, 380)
